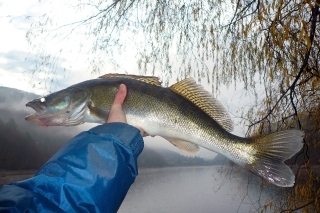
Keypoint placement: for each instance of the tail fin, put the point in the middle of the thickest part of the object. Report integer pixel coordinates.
(272, 151)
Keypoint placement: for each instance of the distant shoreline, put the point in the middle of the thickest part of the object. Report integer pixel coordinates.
(9, 176)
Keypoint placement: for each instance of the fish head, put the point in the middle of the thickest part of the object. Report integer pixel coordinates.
(63, 108)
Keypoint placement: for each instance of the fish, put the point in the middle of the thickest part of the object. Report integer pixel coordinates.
(185, 114)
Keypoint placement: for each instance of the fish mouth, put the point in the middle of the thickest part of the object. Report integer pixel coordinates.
(38, 108)
(39, 117)
(46, 119)
(31, 117)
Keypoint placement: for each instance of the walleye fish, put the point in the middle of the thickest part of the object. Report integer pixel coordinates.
(184, 114)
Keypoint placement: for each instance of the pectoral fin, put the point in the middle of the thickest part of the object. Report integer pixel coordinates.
(185, 146)
(96, 115)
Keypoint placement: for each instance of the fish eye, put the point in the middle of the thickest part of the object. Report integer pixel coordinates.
(42, 100)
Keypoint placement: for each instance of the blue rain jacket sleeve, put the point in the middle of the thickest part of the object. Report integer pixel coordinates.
(91, 173)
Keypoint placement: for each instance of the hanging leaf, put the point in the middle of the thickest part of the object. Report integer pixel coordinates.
(308, 41)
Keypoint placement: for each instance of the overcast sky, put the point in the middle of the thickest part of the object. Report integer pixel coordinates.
(17, 58)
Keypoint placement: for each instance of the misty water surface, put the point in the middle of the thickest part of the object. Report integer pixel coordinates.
(196, 189)
(203, 189)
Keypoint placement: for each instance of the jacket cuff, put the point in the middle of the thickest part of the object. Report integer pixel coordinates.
(127, 134)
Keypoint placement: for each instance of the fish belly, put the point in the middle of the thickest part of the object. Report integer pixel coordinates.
(165, 129)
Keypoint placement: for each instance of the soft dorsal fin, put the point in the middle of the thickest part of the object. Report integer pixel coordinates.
(195, 93)
(147, 79)
(185, 146)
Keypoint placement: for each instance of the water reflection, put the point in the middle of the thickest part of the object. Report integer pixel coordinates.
(196, 189)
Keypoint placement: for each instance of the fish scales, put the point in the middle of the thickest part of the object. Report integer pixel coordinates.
(184, 114)
(179, 118)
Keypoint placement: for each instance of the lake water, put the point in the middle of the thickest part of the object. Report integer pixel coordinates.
(197, 189)
(201, 189)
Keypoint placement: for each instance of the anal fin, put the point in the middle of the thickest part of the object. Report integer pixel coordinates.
(185, 146)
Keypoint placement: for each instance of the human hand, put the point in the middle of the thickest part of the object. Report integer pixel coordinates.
(116, 112)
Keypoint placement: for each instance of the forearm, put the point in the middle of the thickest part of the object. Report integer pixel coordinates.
(91, 173)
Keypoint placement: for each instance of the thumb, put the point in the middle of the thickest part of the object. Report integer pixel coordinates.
(116, 113)
(120, 96)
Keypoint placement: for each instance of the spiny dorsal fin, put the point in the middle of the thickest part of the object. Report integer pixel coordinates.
(185, 146)
(147, 79)
(195, 93)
